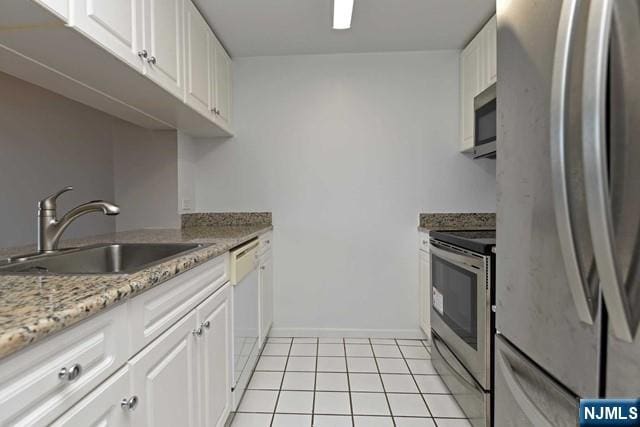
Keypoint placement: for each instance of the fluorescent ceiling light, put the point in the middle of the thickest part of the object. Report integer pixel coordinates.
(342, 11)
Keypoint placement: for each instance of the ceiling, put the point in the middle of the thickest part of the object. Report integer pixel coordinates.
(293, 27)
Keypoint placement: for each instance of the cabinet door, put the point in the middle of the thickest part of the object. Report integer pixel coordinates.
(164, 377)
(214, 315)
(492, 50)
(197, 57)
(163, 39)
(34, 389)
(113, 24)
(468, 90)
(102, 407)
(266, 296)
(425, 293)
(222, 90)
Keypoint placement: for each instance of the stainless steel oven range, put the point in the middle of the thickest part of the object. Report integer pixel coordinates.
(462, 321)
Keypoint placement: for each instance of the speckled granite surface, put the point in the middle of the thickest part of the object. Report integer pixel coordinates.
(457, 221)
(225, 219)
(35, 306)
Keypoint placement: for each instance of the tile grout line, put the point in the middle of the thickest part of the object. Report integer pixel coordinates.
(346, 367)
(315, 382)
(275, 408)
(384, 388)
(415, 382)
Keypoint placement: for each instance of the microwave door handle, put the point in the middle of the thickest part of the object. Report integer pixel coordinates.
(621, 313)
(584, 296)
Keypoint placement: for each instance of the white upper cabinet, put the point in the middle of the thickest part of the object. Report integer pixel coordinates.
(221, 91)
(59, 7)
(113, 24)
(469, 83)
(164, 43)
(478, 71)
(198, 38)
(149, 62)
(491, 43)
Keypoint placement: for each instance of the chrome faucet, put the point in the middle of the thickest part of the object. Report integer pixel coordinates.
(50, 228)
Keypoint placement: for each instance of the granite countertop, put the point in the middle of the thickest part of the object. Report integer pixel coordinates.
(35, 306)
(456, 221)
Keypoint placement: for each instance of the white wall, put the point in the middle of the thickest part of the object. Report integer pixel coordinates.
(48, 142)
(146, 177)
(186, 173)
(346, 151)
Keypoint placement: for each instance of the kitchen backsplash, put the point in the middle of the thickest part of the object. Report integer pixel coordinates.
(225, 219)
(456, 221)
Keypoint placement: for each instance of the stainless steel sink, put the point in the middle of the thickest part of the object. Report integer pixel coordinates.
(124, 258)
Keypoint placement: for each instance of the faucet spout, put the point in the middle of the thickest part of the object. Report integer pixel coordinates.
(50, 228)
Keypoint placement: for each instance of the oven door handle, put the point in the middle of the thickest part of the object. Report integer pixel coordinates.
(456, 257)
(458, 375)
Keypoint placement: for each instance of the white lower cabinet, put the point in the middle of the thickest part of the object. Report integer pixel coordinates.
(97, 373)
(266, 295)
(110, 405)
(425, 293)
(265, 285)
(39, 384)
(164, 378)
(425, 284)
(214, 316)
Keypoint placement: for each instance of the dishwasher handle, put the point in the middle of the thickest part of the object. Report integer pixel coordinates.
(243, 261)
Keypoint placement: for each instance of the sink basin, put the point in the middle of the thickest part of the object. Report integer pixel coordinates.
(114, 258)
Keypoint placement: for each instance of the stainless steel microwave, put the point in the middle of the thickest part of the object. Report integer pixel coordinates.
(484, 141)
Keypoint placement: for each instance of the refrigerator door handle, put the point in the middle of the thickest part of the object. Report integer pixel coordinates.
(535, 415)
(585, 297)
(616, 294)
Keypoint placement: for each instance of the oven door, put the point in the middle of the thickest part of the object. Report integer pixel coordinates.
(460, 306)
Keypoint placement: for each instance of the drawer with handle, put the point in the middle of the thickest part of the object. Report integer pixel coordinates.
(424, 241)
(39, 384)
(154, 311)
(265, 243)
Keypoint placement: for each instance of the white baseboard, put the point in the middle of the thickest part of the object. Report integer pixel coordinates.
(350, 333)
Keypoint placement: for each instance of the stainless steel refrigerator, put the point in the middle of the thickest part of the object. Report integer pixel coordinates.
(568, 231)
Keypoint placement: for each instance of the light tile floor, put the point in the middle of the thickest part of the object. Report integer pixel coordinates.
(354, 382)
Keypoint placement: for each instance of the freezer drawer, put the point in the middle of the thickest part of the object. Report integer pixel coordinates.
(473, 400)
(526, 395)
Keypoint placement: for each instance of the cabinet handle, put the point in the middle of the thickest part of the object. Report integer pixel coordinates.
(129, 404)
(206, 324)
(262, 267)
(268, 242)
(424, 242)
(70, 374)
(197, 332)
(143, 53)
(152, 60)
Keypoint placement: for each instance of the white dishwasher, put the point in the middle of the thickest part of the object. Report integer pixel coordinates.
(244, 278)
